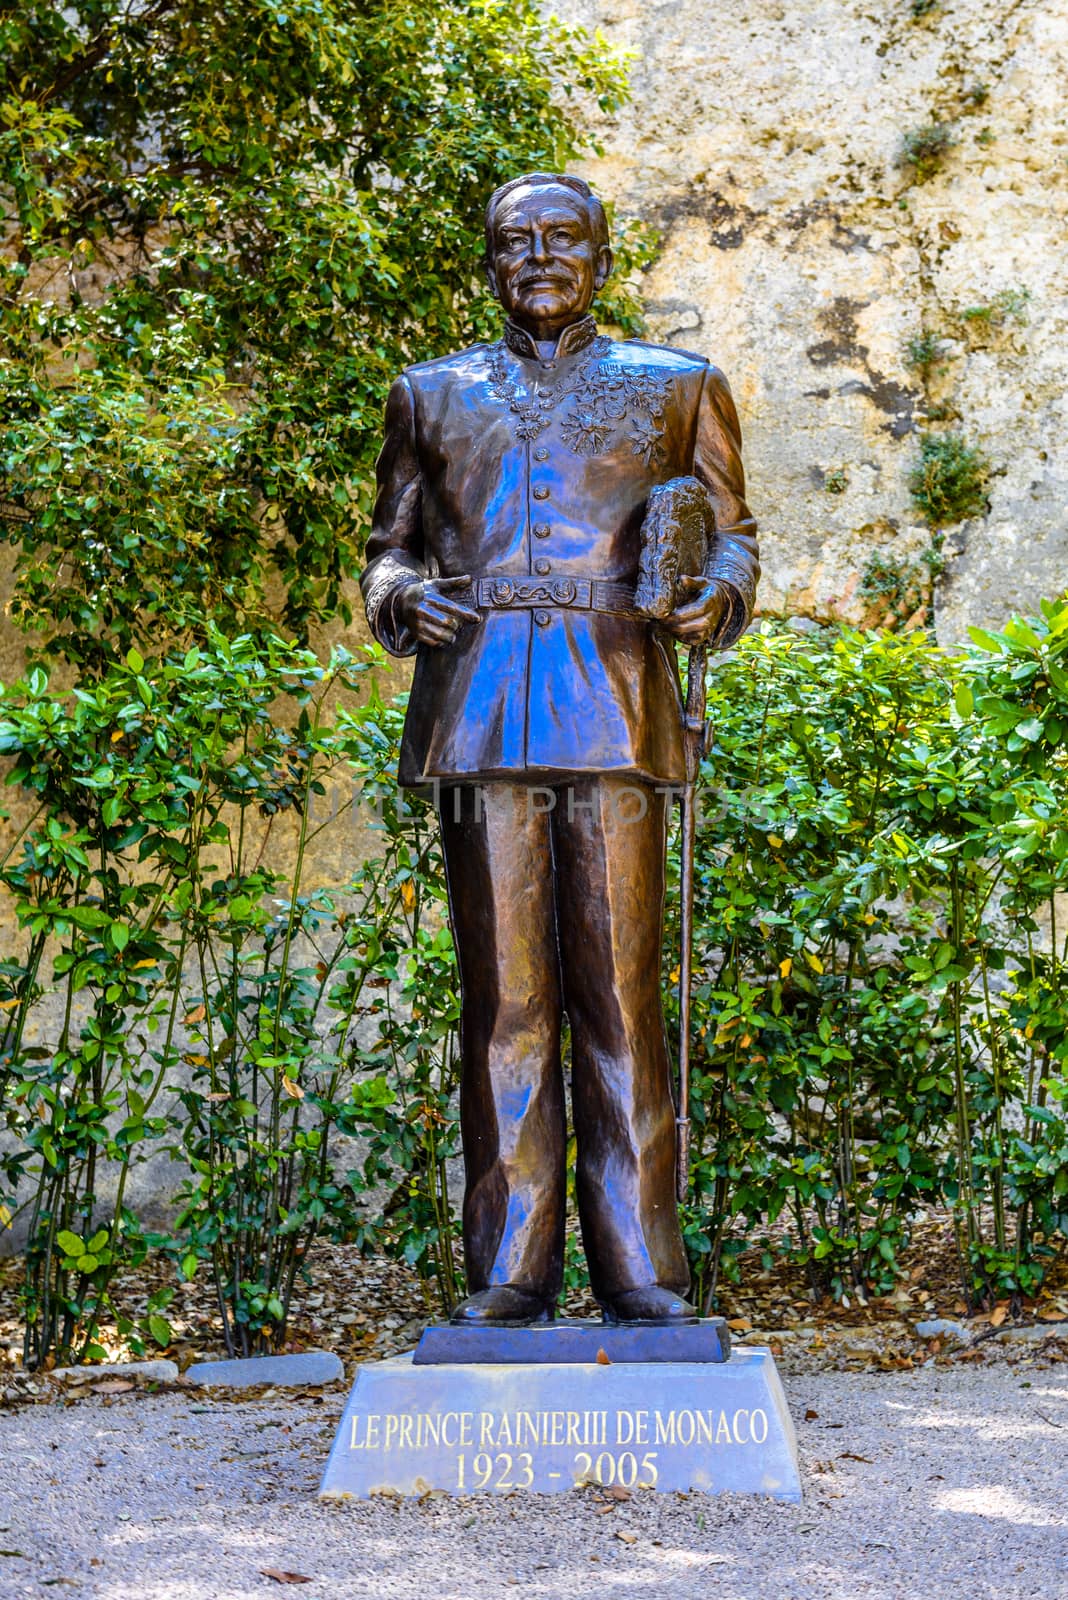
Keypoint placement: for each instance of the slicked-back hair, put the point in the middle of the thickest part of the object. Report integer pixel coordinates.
(547, 180)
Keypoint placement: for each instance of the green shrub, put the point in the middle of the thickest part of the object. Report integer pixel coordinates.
(948, 483)
(977, 94)
(879, 1029)
(900, 590)
(925, 149)
(1008, 305)
(213, 1007)
(924, 353)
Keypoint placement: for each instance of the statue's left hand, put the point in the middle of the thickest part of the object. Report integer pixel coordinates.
(696, 620)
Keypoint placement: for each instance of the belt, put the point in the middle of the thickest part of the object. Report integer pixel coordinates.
(512, 592)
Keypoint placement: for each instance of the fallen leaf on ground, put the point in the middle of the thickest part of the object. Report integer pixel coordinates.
(603, 1360)
(617, 1492)
(114, 1386)
(997, 1316)
(280, 1575)
(810, 1415)
(739, 1324)
(849, 1455)
(626, 1536)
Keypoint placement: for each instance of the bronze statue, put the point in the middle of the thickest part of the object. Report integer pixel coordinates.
(545, 708)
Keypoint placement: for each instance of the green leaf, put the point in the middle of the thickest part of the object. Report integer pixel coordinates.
(964, 700)
(70, 1243)
(135, 660)
(160, 1330)
(89, 916)
(991, 642)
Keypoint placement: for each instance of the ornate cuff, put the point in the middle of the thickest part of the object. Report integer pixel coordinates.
(736, 617)
(380, 593)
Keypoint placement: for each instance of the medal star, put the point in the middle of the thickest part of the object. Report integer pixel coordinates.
(585, 432)
(645, 439)
(530, 422)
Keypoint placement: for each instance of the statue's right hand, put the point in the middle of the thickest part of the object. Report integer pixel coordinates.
(428, 610)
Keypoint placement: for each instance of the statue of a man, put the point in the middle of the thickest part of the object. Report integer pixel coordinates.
(546, 712)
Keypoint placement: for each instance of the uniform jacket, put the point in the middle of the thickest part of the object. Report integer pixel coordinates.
(499, 464)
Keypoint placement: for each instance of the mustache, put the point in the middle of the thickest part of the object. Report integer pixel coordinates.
(528, 278)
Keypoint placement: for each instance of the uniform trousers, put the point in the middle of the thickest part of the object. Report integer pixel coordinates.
(556, 896)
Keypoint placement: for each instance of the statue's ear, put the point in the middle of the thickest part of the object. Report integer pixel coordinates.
(605, 262)
(491, 275)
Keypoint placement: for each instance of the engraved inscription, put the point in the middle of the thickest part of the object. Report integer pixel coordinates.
(500, 1451)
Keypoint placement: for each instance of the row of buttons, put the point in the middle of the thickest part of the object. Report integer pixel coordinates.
(541, 531)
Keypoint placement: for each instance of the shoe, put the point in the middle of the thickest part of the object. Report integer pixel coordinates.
(505, 1305)
(651, 1304)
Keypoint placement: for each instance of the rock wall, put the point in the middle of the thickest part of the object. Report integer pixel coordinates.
(804, 252)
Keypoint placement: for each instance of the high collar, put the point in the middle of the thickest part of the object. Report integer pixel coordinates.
(575, 337)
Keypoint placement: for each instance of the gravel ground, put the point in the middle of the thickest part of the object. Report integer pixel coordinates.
(935, 1482)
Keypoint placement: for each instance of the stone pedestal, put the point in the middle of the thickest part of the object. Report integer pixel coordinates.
(497, 1427)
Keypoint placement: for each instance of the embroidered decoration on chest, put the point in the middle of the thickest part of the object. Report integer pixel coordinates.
(601, 404)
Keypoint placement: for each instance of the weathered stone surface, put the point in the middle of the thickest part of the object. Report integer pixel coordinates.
(574, 1341)
(158, 1370)
(943, 1327)
(1035, 1333)
(801, 255)
(292, 1371)
(487, 1429)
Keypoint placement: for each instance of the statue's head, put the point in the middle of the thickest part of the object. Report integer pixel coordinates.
(547, 251)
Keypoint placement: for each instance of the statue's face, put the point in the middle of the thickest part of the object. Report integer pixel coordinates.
(546, 265)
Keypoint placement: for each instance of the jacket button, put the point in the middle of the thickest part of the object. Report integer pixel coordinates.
(542, 567)
(541, 618)
(541, 530)
(540, 491)
(541, 454)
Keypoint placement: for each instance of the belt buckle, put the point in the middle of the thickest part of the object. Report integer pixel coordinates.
(563, 592)
(577, 592)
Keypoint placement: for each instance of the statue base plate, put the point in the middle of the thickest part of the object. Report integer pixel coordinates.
(571, 1339)
(494, 1428)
